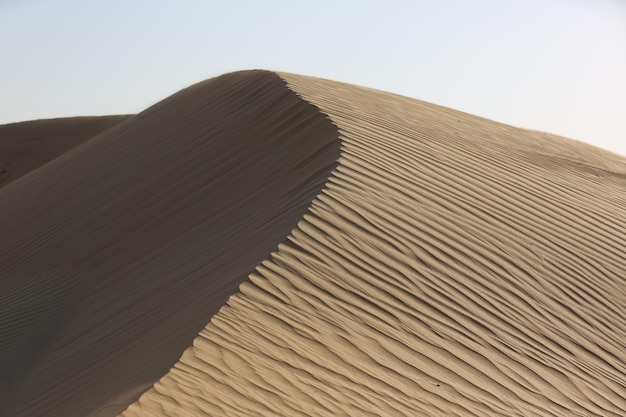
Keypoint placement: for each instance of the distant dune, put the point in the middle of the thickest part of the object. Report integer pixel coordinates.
(313, 248)
(28, 145)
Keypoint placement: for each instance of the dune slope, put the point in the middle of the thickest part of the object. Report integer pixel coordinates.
(451, 266)
(116, 254)
(26, 146)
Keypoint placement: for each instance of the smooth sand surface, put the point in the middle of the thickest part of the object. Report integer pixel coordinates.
(26, 146)
(447, 265)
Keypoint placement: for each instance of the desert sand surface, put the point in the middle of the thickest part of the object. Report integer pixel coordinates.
(313, 248)
(26, 146)
(116, 254)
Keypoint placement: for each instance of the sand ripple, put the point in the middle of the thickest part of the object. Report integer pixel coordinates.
(452, 266)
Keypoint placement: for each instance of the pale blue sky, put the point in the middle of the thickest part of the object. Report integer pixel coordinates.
(552, 65)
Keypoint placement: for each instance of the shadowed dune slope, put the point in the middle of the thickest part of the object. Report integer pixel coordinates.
(26, 146)
(452, 266)
(116, 254)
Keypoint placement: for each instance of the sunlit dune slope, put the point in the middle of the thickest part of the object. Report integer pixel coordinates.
(26, 146)
(116, 254)
(452, 266)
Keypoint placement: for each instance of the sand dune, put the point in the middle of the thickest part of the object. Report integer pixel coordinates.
(26, 146)
(115, 255)
(448, 265)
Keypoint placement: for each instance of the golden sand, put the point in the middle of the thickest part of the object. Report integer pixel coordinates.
(429, 263)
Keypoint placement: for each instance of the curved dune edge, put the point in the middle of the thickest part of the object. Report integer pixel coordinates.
(25, 146)
(452, 266)
(116, 254)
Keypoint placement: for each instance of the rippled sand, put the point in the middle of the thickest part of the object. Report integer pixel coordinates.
(404, 259)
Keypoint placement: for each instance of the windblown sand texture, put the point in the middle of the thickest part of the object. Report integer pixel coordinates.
(445, 265)
(116, 254)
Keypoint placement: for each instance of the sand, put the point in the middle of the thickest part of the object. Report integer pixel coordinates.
(26, 146)
(383, 257)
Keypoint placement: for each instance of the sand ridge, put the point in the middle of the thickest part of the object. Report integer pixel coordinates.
(429, 263)
(116, 254)
(451, 266)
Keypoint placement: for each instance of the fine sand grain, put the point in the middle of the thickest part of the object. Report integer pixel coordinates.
(437, 264)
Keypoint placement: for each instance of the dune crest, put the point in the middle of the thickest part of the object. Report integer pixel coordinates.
(116, 254)
(451, 266)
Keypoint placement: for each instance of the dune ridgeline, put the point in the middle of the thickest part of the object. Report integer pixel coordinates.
(270, 244)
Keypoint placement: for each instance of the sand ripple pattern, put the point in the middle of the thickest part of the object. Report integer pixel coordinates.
(114, 256)
(452, 266)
